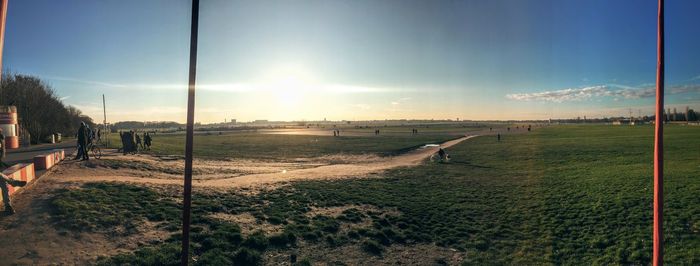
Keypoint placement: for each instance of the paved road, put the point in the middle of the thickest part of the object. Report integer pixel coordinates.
(26, 154)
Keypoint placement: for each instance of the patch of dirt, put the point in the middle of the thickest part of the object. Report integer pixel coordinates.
(272, 173)
(248, 223)
(30, 238)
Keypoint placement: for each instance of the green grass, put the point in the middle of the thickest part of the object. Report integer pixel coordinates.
(558, 195)
(283, 147)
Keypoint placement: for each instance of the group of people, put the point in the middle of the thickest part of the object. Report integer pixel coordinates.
(85, 137)
(132, 141)
(414, 131)
(336, 132)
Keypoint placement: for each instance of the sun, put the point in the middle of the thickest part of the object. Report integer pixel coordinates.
(289, 83)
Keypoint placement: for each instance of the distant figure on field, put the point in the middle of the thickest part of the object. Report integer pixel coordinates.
(529, 127)
(147, 140)
(490, 129)
(499, 136)
(132, 142)
(2, 151)
(83, 137)
(4, 182)
(444, 157)
(138, 141)
(508, 128)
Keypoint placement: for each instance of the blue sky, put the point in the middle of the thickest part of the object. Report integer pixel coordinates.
(292, 60)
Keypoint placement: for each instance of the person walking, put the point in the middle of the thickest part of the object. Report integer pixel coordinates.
(138, 141)
(4, 182)
(2, 150)
(132, 140)
(147, 140)
(82, 142)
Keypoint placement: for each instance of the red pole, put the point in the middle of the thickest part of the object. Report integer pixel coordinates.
(3, 17)
(187, 200)
(658, 257)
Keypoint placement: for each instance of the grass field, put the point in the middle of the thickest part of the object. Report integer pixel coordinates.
(283, 147)
(558, 195)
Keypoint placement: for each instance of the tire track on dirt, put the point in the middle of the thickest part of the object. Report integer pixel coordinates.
(334, 171)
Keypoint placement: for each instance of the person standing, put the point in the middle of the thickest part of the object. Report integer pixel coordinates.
(499, 136)
(2, 150)
(138, 141)
(147, 139)
(132, 140)
(83, 141)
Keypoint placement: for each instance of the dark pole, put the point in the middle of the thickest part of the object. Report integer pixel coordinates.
(187, 200)
(658, 257)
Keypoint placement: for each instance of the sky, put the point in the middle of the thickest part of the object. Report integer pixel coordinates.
(357, 60)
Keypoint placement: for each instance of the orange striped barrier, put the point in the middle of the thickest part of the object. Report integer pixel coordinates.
(60, 154)
(46, 161)
(22, 171)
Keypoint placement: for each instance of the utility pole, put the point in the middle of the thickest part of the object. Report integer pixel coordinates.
(104, 112)
(187, 195)
(658, 235)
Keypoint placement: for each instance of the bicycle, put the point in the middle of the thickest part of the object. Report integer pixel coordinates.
(95, 150)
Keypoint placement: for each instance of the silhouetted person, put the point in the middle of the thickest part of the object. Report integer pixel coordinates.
(138, 141)
(509, 129)
(132, 141)
(2, 150)
(499, 136)
(442, 154)
(83, 132)
(147, 140)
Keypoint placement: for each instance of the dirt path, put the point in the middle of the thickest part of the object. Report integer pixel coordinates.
(333, 171)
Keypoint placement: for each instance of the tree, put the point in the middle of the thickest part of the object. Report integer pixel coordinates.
(39, 109)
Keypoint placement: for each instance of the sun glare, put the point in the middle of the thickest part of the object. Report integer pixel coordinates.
(289, 83)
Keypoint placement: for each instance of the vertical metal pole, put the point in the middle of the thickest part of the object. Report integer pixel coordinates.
(186, 202)
(3, 17)
(104, 111)
(658, 256)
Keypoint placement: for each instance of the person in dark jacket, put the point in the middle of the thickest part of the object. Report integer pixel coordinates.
(2, 151)
(83, 142)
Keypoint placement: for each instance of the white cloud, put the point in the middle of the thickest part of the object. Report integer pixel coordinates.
(615, 91)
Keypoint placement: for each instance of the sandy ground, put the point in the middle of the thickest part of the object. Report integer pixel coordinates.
(29, 237)
(259, 174)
